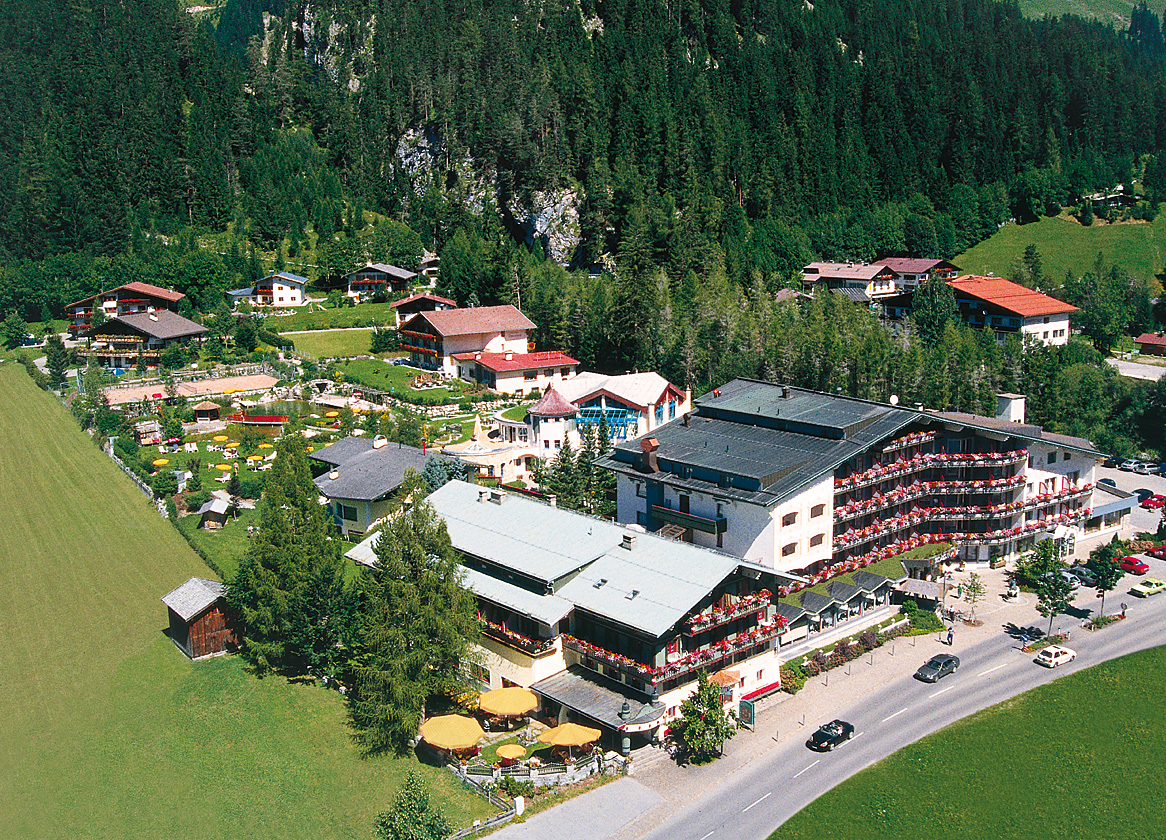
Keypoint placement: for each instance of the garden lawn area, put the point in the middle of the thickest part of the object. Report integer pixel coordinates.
(1064, 245)
(310, 317)
(517, 412)
(1070, 768)
(322, 345)
(225, 546)
(108, 730)
(374, 373)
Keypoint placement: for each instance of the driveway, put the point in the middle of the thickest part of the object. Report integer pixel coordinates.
(1140, 518)
(1136, 370)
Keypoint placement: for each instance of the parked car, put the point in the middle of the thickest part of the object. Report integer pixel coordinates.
(1158, 552)
(1146, 468)
(1111, 462)
(937, 667)
(1074, 583)
(1147, 587)
(1084, 575)
(1142, 493)
(830, 735)
(1134, 565)
(1055, 655)
(1107, 481)
(1154, 502)
(1127, 465)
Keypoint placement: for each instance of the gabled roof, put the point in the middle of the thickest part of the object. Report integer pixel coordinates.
(215, 505)
(1155, 339)
(139, 288)
(391, 270)
(1024, 431)
(844, 271)
(1009, 296)
(505, 362)
(193, 597)
(553, 404)
(482, 319)
(641, 390)
(915, 265)
(422, 296)
(288, 277)
(161, 324)
(371, 475)
(342, 450)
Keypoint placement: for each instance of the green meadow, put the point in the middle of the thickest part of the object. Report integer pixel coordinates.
(108, 730)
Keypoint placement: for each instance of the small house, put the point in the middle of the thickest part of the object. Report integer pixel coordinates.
(200, 621)
(1151, 344)
(213, 514)
(374, 278)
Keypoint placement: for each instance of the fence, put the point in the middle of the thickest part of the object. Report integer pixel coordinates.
(198, 375)
(143, 486)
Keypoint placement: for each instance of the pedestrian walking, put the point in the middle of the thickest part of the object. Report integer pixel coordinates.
(950, 635)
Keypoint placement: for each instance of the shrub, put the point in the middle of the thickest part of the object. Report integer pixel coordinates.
(868, 641)
(512, 787)
(195, 500)
(843, 651)
(792, 679)
(926, 620)
(820, 661)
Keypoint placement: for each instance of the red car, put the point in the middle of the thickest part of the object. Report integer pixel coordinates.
(1134, 565)
(1154, 502)
(1158, 551)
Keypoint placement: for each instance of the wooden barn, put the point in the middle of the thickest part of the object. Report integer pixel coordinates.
(199, 621)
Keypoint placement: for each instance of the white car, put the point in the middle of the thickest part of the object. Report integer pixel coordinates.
(1055, 655)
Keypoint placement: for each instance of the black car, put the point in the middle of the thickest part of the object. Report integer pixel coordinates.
(1142, 493)
(937, 667)
(830, 735)
(1111, 462)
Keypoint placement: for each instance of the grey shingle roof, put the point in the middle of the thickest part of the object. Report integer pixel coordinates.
(1024, 431)
(161, 324)
(598, 697)
(813, 603)
(193, 597)
(548, 609)
(342, 450)
(842, 591)
(870, 581)
(371, 475)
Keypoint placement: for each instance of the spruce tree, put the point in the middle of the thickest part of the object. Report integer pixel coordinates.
(417, 623)
(291, 548)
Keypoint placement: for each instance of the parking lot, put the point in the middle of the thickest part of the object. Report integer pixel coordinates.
(1140, 518)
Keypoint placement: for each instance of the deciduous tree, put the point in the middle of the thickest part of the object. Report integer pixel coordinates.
(706, 723)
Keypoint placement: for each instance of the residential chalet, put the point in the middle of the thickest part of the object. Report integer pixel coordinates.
(279, 289)
(123, 340)
(128, 299)
(516, 373)
(407, 307)
(377, 277)
(1001, 306)
(358, 478)
(801, 481)
(911, 271)
(433, 338)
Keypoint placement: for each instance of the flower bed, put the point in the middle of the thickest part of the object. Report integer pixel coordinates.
(509, 637)
(718, 615)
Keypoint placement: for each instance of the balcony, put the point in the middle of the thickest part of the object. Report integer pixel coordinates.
(935, 460)
(723, 615)
(516, 641)
(902, 495)
(690, 520)
(413, 348)
(913, 439)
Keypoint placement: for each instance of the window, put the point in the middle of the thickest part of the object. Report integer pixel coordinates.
(789, 519)
(529, 375)
(564, 372)
(817, 539)
(760, 674)
(1065, 456)
(558, 444)
(660, 413)
(789, 549)
(641, 517)
(546, 444)
(817, 510)
(672, 409)
(1045, 321)
(720, 509)
(1045, 334)
(478, 673)
(1052, 457)
(347, 512)
(641, 490)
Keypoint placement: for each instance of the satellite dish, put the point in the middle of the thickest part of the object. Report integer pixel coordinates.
(894, 399)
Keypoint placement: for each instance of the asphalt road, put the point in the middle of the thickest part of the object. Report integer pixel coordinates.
(768, 791)
(1136, 370)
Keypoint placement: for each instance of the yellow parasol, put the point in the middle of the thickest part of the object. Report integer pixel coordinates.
(329, 443)
(451, 732)
(331, 413)
(511, 751)
(161, 462)
(569, 735)
(220, 438)
(266, 446)
(311, 449)
(254, 457)
(232, 444)
(508, 702)
(224, 467)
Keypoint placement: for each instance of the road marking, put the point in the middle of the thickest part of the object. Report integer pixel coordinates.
(884, 720)
(856, 735)
(936, 694)
(990, 670)
(707, 836)
(762, 799)
(798, 774)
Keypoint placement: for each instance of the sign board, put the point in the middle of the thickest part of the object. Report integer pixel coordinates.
(746, 713)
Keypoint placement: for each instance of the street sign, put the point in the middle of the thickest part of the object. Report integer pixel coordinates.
(746, 713)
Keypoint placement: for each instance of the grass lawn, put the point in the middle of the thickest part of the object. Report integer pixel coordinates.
(108, 730)
(225, 546)
(374, 373)
(1064, 245)
(312, 318)
(517, 412)
(1058, 761)
(323, 345)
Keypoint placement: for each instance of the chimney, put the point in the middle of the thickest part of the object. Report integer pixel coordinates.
(509, 356)
(335, 474)
(497, 496)
(650, 445)
(483, 495)
(685, 420)
(785, 392)
(552, 500)
(477, 357)
(629, 541)
(152, 317)
(379, 442)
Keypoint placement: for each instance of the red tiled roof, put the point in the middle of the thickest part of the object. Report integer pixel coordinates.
(1010, 296)
(482, 319)
(422, 296)
(156, 291)
(1156, 339)
(553, 404)
(498, 362)
(912, 265)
